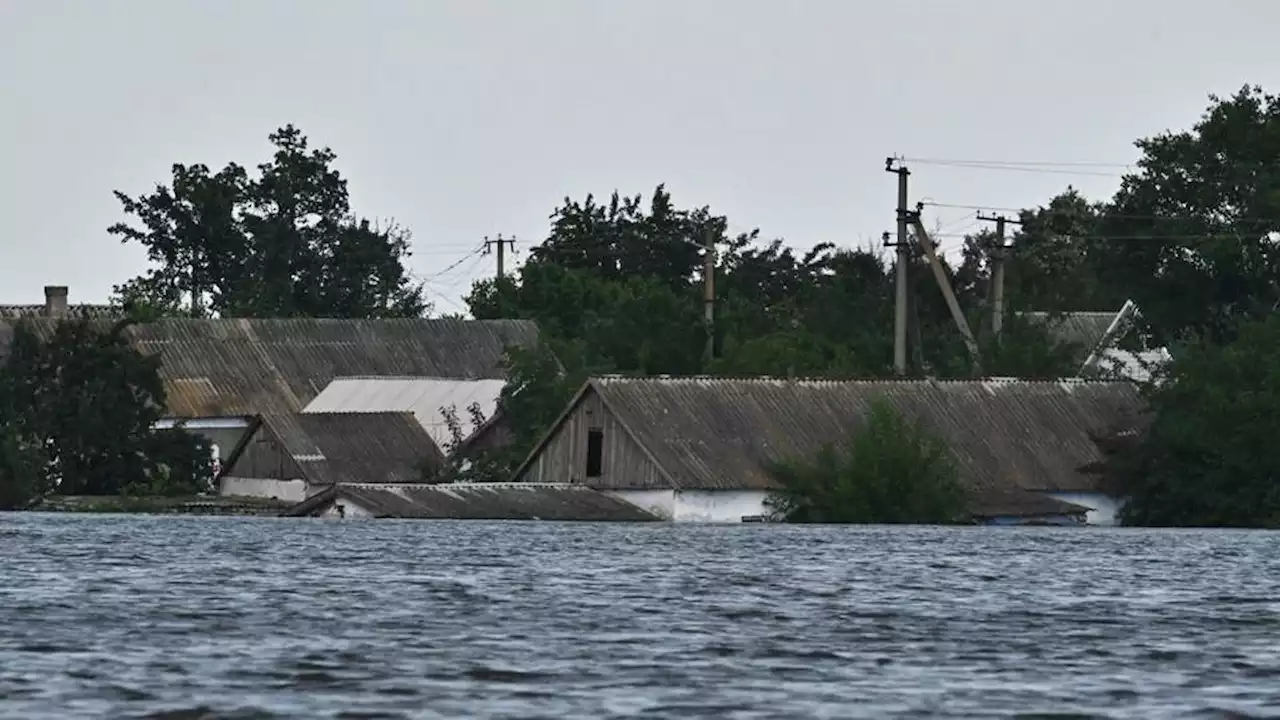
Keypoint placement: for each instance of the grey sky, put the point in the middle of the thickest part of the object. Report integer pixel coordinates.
(467, 118)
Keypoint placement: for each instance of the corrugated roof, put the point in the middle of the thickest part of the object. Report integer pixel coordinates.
(424, 397)
(478, 501)
(1011, 439)
(225, 367)
(1085, 329)
(364, 448)
(73, 312)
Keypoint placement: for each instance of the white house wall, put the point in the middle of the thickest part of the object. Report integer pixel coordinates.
(698, 506)
(1103, 509)
(294, 491)
(345, 509)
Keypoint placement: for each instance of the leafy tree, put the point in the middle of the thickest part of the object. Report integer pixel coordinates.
(1207, 455)
(23, 466)
(620, 240)
(892, 470)
(541, 380)
(80, 405)
(282, 244)
(1059, 256)
(1200, 254)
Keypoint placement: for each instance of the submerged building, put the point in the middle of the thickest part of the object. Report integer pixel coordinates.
(697, 449)
(1107, 343)
(295, 405)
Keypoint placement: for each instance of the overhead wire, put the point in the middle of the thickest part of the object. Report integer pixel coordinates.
(998, 165)
(1023, 163)
(1121, 216)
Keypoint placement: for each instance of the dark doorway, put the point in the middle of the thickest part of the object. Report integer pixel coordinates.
(595, 452)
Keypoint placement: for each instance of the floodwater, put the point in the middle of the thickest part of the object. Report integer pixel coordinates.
(164, 617)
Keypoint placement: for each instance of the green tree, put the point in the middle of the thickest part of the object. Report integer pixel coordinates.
(1193, 232)
(892, 470)
(23, 464)
(88, 401)
(541, 380)
(1058, 258)
(1207, 455)
(285, 243)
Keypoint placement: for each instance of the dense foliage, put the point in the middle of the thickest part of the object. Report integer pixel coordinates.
(77, 410)
(626, 285)
(1207, 279)
(282, 244)
(1208, 456)
(891, 470)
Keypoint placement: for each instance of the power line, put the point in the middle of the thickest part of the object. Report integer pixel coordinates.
(1120, 216)
(1201, 236)
(1014, 168)
(475, 253)
(1022, 163)
(466, 274)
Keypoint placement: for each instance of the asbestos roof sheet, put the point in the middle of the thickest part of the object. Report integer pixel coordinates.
(1084, 329)
(225, 367)
(478, 501)
(365, 448)
(424, 397)
(1012, 440)
(73, 312)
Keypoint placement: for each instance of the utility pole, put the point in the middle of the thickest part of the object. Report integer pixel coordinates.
(998, 252)
(944, 284)
(900, 269)
(709, 298)
(502, 244)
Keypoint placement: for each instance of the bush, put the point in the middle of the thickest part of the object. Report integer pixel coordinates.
(77, 407)
(23, 469)
(891, 470)
(1208, 456)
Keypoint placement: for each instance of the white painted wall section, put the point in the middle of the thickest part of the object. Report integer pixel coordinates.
(287, 490)
(346, 510)
(1103, 509)
(698, 506)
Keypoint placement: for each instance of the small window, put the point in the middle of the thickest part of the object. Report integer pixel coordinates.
(595, 452)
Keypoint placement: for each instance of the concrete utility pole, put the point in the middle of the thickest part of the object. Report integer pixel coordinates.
(944, 284)
(998, 256)
(900, 269)
(502, 244)
(709, 298)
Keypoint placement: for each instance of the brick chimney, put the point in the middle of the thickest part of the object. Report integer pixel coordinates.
(55, 301)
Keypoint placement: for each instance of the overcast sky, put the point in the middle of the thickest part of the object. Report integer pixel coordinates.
(467, 118)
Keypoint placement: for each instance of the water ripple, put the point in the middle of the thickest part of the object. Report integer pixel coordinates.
(186, 618)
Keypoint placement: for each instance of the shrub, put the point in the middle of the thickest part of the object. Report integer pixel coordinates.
(891, 470)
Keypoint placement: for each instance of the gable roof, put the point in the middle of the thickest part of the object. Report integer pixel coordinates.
(1011, 439)
(424, 397)
(366, 448)
(1085, 329)
(225, 367)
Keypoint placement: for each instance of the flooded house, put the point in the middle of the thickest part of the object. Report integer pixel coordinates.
(1109, 344)
(696, 449)
(294, 405)
(297, 404)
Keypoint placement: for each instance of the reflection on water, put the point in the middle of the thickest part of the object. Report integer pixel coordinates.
(165, 617)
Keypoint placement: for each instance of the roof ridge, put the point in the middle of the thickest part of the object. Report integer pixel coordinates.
(619, 378)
